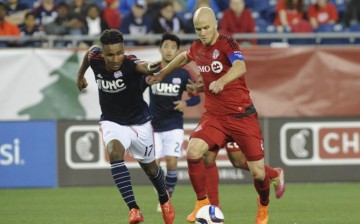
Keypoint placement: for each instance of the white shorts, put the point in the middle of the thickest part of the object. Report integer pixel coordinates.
(169, 143)
(137, 139)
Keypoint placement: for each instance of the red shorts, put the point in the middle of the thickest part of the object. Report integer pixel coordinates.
(232, 147)
(245, 131)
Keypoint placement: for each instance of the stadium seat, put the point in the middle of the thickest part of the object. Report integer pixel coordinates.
(266, 28)
(355, 28)
(332, 28)
(340, 6)
(264, 8)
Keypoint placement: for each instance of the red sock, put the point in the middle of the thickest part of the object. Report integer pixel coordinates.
(263, 189)
(212, 183)
(270, 172)
(196, 170)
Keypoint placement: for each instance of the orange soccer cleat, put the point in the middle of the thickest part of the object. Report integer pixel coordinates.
(262, 216)
(279, 183)
(135, 216)
(200, 203)
(168, 211)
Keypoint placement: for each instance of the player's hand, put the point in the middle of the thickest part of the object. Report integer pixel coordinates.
(216, 86)
(153, 66)
(81, 83)
(191, 87)
(154, 78)
(180, 105)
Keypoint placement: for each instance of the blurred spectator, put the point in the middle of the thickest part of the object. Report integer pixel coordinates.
(62, 25)
(352, 13)
(322, 12)
(167, 21)
(94, 23)
(46, 12)
(111, 14)
(78, 9)
(192, 6)
(237, 19)
(16, 11)
(153, 7)
(30, 28)
(7, 28)
(289, 16)
(137, 22)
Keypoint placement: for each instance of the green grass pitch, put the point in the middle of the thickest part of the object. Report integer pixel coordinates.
(333, 203)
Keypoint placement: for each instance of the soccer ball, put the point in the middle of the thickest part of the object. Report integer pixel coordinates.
(209, 214)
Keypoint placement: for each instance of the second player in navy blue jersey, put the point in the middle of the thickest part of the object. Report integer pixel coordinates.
(167, 106)
(125, 122)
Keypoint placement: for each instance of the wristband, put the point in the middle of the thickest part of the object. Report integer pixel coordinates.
(148, 67)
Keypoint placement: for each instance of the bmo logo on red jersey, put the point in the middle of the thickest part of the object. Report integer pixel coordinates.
(320, 143)
(215, 67)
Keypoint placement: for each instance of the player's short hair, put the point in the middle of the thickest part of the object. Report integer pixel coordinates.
(111, 36)
(172, 37)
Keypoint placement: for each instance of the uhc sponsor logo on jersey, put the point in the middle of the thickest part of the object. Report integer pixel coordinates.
(165, 89)
(111, 86)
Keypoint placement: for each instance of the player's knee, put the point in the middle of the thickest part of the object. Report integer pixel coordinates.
(196, 149)
(192, 153)
(116, 151)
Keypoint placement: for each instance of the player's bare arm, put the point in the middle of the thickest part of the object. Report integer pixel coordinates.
(177, 62)
(237, 70)
(81, 80)
(147, 68)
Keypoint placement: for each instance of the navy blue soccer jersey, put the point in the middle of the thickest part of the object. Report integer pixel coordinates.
(120, 94)
(162, 98)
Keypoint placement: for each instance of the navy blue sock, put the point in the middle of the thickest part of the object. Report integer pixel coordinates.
(171, 180)
(159, 184)
(122, 180)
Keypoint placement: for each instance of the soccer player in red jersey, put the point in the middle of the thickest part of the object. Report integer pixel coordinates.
(236, 158)
(230, 113)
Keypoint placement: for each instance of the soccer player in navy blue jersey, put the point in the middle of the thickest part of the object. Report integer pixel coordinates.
(167, 106)
(125, 122)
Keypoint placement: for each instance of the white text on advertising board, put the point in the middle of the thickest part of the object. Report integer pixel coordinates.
(320, 143)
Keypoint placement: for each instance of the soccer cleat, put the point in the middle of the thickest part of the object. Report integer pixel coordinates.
(135, 216)
(279, 183)
(168, 211)
(262, 216)
(200, 203)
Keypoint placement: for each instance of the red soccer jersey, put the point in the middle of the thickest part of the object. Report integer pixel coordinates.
(213, 62)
